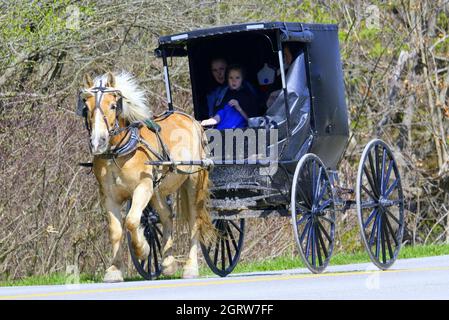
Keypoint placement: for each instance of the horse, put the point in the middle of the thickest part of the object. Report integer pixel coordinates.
(114, 108)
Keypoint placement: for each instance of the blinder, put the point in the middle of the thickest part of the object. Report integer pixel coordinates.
(119, 109)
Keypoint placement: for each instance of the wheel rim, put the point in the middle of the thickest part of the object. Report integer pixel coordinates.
(150, 268)
(223, 254)
(313, 213)
(380, 204)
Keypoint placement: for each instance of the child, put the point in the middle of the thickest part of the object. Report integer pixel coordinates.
(238, 104)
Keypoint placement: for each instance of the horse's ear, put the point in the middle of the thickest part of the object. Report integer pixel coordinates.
(87, 81)
(110, 82)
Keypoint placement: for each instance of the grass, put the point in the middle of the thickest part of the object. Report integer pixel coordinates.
(51, 279)
(279, 263)
(341, 258)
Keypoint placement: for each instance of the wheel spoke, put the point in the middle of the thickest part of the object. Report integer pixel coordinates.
(325, 205)
(390, 189)
(321, 240)
(390, 228)
(370, 181)
(371, 238)
(331, 221)
(378, 238)
(156, 261)
(317, 187)
(149, 262)
(382, 236)
(387, 237)
(314, 187)
(393, 217)
(217, 249)
(158, 242)
(387, 176)
(234, 243)
(228, 249)
(312, 232)
(378, 177)
(308, 241)
(303, 197)
(306, 229)
(236, 226)
(370, 217)
(317, 245)
(328, 237)
(382, 185)
(373, 172)
(302, 208)
(158, 231)
(323, 190)
(369, 192)
(304, 217)
(223, 256)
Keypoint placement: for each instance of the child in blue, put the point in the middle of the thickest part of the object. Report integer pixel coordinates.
(238, 104)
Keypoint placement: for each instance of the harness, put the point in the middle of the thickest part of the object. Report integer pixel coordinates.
(131, 140)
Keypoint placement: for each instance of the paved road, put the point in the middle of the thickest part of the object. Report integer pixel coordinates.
(424, 278)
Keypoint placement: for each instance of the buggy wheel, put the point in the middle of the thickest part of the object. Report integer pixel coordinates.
(313, 212)
(149, 268)
(223, 254)
(380, 204)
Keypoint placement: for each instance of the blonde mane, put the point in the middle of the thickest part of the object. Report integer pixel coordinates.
(135, 104)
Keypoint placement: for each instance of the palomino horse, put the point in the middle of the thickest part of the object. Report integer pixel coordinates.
(113, 107)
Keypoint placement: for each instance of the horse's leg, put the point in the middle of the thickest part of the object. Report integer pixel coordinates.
(114, 273)
(141, 196)
(188, 195)
(169, 264)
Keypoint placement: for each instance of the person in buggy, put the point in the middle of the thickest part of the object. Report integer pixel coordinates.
(218, 68)
(237, 105)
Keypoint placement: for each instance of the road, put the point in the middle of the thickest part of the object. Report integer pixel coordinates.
(423, 278)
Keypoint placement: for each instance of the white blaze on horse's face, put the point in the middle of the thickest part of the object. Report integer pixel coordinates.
(101, 121)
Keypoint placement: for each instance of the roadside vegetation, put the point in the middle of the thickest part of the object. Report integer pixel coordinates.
(278, 263)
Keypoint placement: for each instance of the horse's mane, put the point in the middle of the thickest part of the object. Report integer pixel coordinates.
(135, 104)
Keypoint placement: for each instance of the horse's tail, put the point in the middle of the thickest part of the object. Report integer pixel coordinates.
(207, 231)
(202, 225)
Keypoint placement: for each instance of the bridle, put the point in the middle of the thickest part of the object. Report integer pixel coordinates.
(98, 92)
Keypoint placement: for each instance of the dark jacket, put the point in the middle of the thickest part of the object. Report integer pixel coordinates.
(248, 101)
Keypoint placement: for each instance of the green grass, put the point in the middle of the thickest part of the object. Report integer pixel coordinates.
(342, 258)
(51, 279)
(279, 263)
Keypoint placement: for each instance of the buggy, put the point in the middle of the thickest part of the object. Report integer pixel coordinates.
(288, 165)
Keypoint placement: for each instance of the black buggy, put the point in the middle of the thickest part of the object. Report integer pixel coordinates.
(290, 157)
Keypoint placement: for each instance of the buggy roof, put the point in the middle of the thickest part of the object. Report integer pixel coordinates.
(288, 30)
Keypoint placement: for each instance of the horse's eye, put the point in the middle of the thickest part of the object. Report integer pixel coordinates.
(113, 106)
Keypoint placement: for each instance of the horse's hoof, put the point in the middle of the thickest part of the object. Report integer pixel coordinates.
(169, 266)
(113, 275)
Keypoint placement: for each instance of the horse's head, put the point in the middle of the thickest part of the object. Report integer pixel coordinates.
(101, 105)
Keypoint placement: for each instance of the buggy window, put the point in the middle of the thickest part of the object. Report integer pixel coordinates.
(250, 50)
